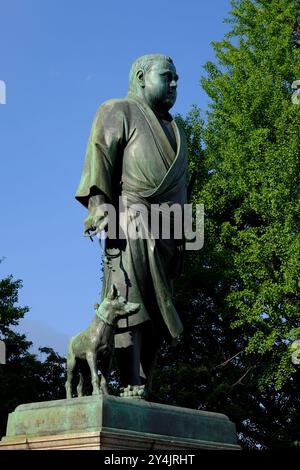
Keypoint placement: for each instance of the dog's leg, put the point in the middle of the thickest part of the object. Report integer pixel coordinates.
(103, 385)
(71, 363)
(104, 369)
(80, 385)
(91, 359)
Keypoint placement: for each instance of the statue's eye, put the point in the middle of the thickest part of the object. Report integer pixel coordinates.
(169, 76)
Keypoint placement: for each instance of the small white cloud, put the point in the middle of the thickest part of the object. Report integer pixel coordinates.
(2, 92)
(89, 77)
(42, 335)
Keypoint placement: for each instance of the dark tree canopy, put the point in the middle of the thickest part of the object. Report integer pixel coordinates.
(24, 378)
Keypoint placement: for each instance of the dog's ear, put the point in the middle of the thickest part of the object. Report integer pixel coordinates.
(113, 293)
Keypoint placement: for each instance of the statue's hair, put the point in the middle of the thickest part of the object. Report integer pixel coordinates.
(144, 63)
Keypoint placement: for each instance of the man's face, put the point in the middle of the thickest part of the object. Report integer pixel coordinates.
(160, 86)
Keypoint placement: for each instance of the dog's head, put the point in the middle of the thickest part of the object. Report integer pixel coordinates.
(114, 307)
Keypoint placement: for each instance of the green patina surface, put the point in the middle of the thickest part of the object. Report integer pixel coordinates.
(97, 412)
(136, 160)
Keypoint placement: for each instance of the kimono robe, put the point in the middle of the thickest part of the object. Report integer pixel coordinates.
(129, 154)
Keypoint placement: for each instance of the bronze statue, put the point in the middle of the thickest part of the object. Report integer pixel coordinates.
(95, 344)
(137, 152)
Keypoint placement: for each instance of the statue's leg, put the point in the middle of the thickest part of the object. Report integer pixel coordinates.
(71, 363)
(128, 353)
(91, 360)
(80, 385)
(150, 345)
(136, 351)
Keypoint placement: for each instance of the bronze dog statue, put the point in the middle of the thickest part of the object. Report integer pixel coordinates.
(95, 344)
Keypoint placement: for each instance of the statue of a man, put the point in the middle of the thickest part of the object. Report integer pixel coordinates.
(137, 151)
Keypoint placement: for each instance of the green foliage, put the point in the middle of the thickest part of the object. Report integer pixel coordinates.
(240, 295)
(252, 142)
(9, 313)
(24, 378)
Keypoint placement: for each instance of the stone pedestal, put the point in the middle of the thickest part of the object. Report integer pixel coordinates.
(112, 423)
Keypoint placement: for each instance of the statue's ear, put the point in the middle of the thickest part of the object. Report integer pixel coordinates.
(113, 293)
(140, 77)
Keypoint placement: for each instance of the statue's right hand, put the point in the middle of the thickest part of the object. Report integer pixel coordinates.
(96, 221)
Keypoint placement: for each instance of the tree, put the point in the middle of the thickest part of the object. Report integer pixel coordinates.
(240, 297)
(24, 378)
(253, 142)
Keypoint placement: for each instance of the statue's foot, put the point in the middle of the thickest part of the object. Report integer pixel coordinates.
(134, 391)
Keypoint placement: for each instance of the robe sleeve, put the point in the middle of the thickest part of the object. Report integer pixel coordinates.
(104, 149)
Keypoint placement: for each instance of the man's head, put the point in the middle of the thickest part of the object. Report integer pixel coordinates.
(153, 77)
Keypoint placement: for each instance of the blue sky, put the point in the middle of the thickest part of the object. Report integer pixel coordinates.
(60, 60)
